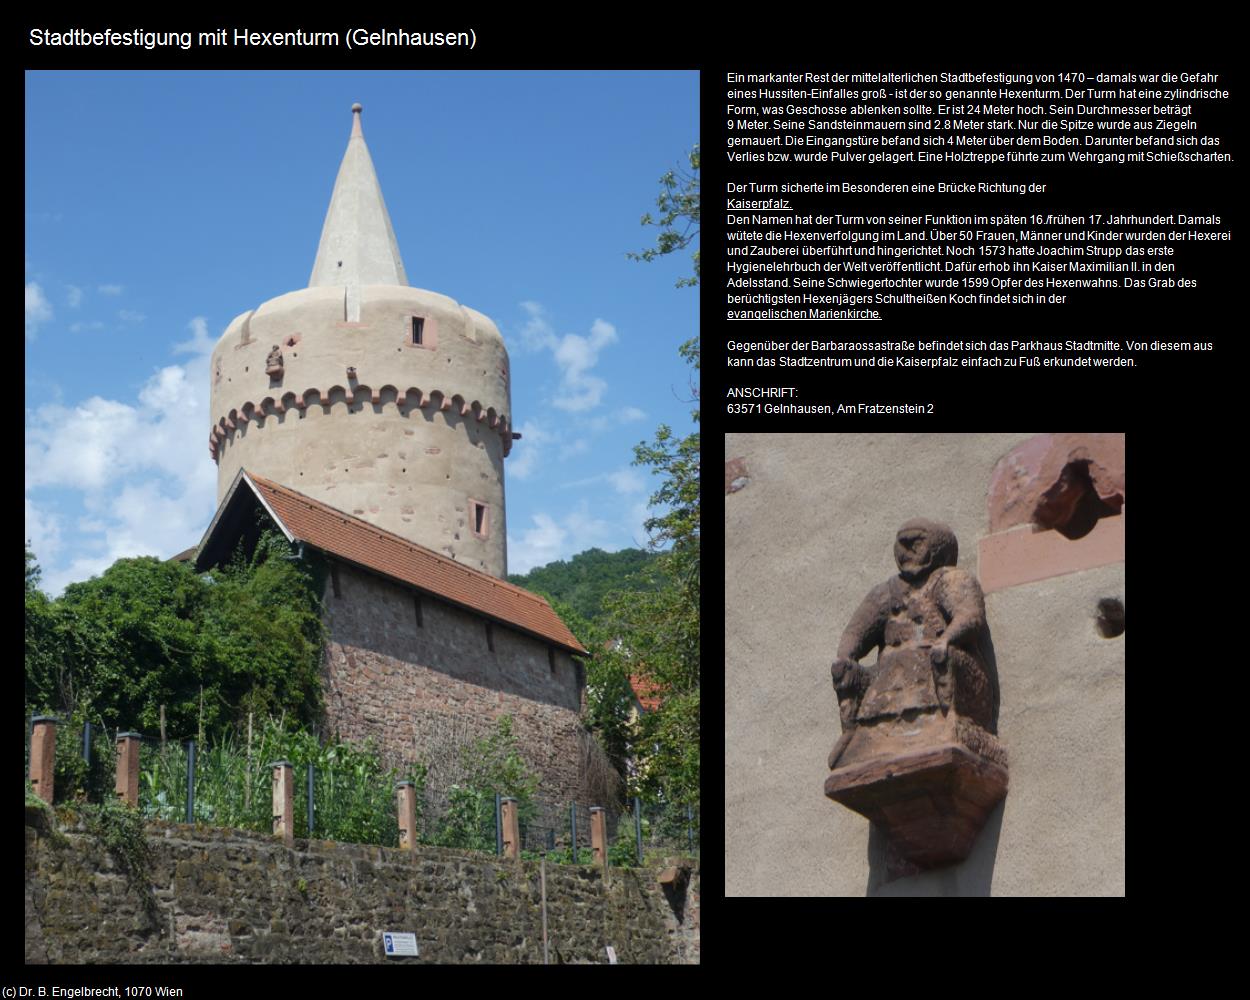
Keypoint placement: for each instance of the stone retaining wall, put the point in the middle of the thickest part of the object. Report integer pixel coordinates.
(237, 897)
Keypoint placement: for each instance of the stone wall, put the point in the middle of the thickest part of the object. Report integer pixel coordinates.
(404, 440)
(422, 690)
(225, 896)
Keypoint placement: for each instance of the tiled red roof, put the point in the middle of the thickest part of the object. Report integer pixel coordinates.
(646, 691)
(366, 545)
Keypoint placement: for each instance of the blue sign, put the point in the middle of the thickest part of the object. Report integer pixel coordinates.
(398, 944)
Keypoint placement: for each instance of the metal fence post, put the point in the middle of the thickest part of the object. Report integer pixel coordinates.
(43, 755)
(690, 827)
(190, 781)
(86, 744)
(573, 825)
(311, 771)
(498, 825)
(638, 825)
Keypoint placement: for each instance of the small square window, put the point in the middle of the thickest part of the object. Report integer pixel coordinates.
(490, 637)
(416, 606)
(418, 331)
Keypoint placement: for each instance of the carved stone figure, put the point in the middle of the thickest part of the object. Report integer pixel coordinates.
(925, 712)
(273, 363)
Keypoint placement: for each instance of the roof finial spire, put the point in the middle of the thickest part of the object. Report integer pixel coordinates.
(357, 242)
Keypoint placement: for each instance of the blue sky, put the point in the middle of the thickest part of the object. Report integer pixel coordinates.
(159, 206)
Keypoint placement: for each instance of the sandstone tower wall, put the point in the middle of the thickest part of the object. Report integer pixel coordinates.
(409, 436)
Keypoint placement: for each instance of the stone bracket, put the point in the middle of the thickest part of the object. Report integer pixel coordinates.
(930, 803)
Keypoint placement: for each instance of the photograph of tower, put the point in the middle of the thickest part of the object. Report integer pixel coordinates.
(450, 395)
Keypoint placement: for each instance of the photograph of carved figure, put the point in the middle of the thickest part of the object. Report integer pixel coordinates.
(337, 515)
(965, 593)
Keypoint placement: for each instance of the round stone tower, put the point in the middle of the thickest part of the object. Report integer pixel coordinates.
(384, 401)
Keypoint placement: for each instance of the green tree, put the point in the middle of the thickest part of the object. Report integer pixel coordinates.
(584, 580)
(659, 630)
(41, 686)
(131, 643)
(609, 702)
(147, 633)
(263, 631)
(678, 219)
(33, 573)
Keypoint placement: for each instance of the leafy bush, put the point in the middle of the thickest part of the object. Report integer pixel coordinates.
(149, 633)
(353, 794)
(492, 765)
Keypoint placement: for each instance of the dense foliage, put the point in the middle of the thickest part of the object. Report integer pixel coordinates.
(492, 766)
(148, 633)
(353, 798)
(658, 630)
(583, 581)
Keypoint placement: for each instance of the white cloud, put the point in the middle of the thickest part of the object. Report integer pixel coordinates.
(38, 309)
(537, 333)
(147, 518)
(627, 481)
(73, 296)
(624, 480)
(574, 355)
(635, 522)
(142, 470)
(43, 531)
(548, 540)
(130, 316)
(538, 546)
(80, 327)
(110, 289)
(200, 342)
(528, 453)
(625, 415)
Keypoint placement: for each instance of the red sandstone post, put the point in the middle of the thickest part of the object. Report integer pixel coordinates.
(43, 755)
(127, 784)
(511, 830)
(407, 809)
(284, 800)
(599, 835)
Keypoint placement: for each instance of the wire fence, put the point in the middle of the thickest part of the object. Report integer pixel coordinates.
(224, 785)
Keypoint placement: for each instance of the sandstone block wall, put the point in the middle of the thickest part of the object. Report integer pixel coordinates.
(223, 896)
(404, 440)
(421, 690)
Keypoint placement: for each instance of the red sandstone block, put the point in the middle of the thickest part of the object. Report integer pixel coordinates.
(1021, 555)
(1028, 471)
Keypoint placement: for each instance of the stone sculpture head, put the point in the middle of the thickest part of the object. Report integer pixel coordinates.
(921, 546)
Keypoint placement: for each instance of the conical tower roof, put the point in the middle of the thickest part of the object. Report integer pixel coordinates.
(357, 242)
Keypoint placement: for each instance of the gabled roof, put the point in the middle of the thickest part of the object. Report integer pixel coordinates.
(352, 540)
